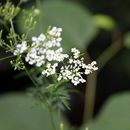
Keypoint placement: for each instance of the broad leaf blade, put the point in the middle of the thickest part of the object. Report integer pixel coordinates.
(77, 23)
(18, 112)
(115, 115)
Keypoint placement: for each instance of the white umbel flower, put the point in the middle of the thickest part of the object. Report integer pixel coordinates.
(76, 52)
(41, 38)
(90, 68)
(50, 55)
(46, 48)
(20, 48)
(46, 52)
(56, 32)
(51, 69)
(73, 71)
(34, 56)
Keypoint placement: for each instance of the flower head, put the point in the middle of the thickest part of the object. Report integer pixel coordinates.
(46, 52)
(46, 48)
(20, 48)
(73, 71)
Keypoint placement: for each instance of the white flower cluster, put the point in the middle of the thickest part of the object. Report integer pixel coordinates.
(76, 68)
(46, 49)
(46, 52)
(20, 48)
(50, 69)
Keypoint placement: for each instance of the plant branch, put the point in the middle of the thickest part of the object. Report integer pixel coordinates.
(4, 58)
(14, 35)
(111, 51)
(35, 84)
(90, 96)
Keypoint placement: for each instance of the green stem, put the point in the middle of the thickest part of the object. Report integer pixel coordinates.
(92, 78)
(27, 72)
(90, 96)
(14, 35)
(108, 54)
(4, 58)
(58, 84)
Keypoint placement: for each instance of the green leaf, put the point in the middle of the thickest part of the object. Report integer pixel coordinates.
(127, 40)
(115, 115)
(104, 22)
(77, 23)
(18, 112)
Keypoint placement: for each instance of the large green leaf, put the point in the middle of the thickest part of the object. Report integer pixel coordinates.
(115, 115)
(18, 112)
(76, 21)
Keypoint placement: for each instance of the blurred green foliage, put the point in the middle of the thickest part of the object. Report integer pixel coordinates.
(20, 112)
(104, 22)
(77, 23)
(127, 40)
(115, 115)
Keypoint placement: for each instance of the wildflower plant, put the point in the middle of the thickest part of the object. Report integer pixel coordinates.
(43, 59)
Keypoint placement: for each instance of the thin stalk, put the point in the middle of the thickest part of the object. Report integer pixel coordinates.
(108, 54)
(112, 50)
(90, 96)
(4, 58)
(35, 84)
(14, 35)
(60, 83)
